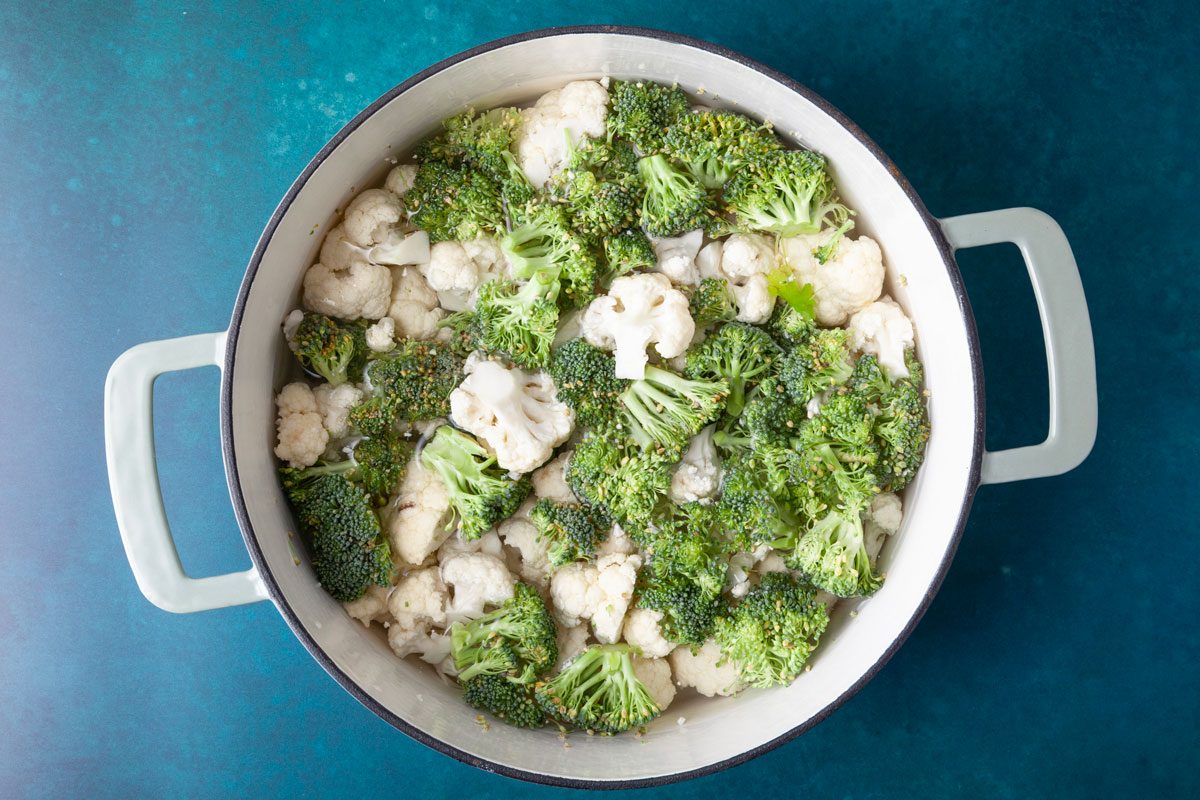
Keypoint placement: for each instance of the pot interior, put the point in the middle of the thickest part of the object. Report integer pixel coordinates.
(695, 733)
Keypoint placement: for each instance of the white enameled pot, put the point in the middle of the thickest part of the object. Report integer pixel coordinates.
(922, 276)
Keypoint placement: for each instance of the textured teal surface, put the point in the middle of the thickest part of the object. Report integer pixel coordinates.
(142, 149)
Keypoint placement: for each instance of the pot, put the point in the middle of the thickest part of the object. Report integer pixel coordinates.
(718, 733)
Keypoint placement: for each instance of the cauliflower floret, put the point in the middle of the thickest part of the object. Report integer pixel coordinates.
(371, 607)
(883, 330)
(882, 519)
(708, 261)
(677, 257)
(420, 598)
(746, 259)
(571, 642)
(655, 675)
(401, 179)
(479, 580)
(399, 249)
(455, 545)
(414, 306)
(290, 324)
(600, 592)
(381, 336)
(522, 536)
(618, 542)
(550, 480)
(849, 279)
(417, 515)
(559, 120)
(370, 216)
(459, 267)
(338, 252)
(639, 310)
(516, 413)
(698, 475)
(302, 435)
(431, 647)
(362, 290)
(642, 631)
(334, 404)
(705, 670)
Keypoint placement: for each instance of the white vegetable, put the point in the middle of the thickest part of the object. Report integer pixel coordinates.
(639, 310)
(400, 180)
(334, 404)
(416, 516)
(414, 306)
(618, 542)
(550, 480)
(338, 252)
(704, 671)
(642, 631)
(655, 675)
(516, 413)
(419, 598)
(850, 279)
(290, 324)
(571, 642)
(302, 434)
(600, 592)
(677, 257)
(460, 267)
(430, 646)
(698, 475)
(381, 336)
(479, 580)
(371, 607)
(489, 544)
(883, 330)
(558, 119)
(399, 249)
(362, 290)
(708, 261)
(370, 216)
(518, 533)
(882, 520)
(746, 260)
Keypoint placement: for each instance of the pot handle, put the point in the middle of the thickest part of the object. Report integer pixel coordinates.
(133, 478)
(1066, 327)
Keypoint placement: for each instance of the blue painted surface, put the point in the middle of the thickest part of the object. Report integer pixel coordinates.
(143, 147)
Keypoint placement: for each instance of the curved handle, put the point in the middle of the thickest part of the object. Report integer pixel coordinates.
(1066, 327)
(133, 478)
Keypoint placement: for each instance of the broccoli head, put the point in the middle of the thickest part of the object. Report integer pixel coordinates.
(519, 321)
(787, 192)
(516, 640)
(772, 632)
(504, 699)
(688, 610)
(570, 531)
(628, 250)
(350, 552)
(753, 491)
(674, 201)
(586, 380)
(380, 462)
(544, 243)
(456, 202)
(598, 691)
(833, 554)
(771, 416)
(902, 429)
(609, 470)
(601, 187)
(481, 493)
(331, 348)
(712, 302)
(663, 409)
(715, 143)
(790, 326)
(739, 354)
(820, 362)
(686, 572)
(412, 383)
(642, 112)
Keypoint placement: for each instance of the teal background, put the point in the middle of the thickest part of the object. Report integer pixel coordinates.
(142, 148)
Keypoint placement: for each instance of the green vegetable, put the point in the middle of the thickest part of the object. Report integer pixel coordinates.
(739, 354)
(609, 470)
(833, 554)
(628, 250)
(787, 192)
(598, 691)
(601, 187)
(674, 201)
(481, 494)
(413, 382)
(686, 572)
(570, 531)
(456, 202)
(817, 364)
(772, 631)
(666, 409)
(712, 302)
(511, 702)
(713, 144)
(331, 348)
(544, 244)
(519, 321)
(586, 381)
(642, 112)
(517, 640)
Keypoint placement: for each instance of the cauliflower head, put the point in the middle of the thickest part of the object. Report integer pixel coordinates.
(550, 481)
(639, 310)
(883, 330)
(697, 477)
(461, 266)
(643, 632)
(705, 670)
(302, 434)
(414, 306)
(416, 516)
(556, 122)
(338, 252)
(399, 249)
(363, 290)
(419, 599)
(479, 580)
(882, 520)
(520, 534)
(334, 404)
(746, 260)
(371, 607)
(849, 279)
(677, 257)
(571, 642)
(655, 675)
(400, 179)
(370, 217)
(381, 336)
(516, 413)
(600, 592)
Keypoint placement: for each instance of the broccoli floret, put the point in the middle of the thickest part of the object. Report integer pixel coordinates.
(481, 494)
(464, 336)
(833, 554)
(331, 348)
(820, 362)
(585, 379)
(627, 251)
(601, 187)
(688, 610)
(771, 416)
(712, 302)
(350, 552)
(902, 428)
(772, 631)
(485, 142)
(753, 484)
(674, 201)
(686, 572)
(516, 640)
(413, 382)
(517, 320)
(504, 699)
(570, 531)
(545, 243)
(789, 326)
(609, 470)
(457, 202)
(642, 112)
(740, 355)
(787, 192)
(380, 462)
(665, 409)
(598, 691)
(715, 143)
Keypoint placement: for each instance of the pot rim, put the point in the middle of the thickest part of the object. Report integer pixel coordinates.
(234, 481)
